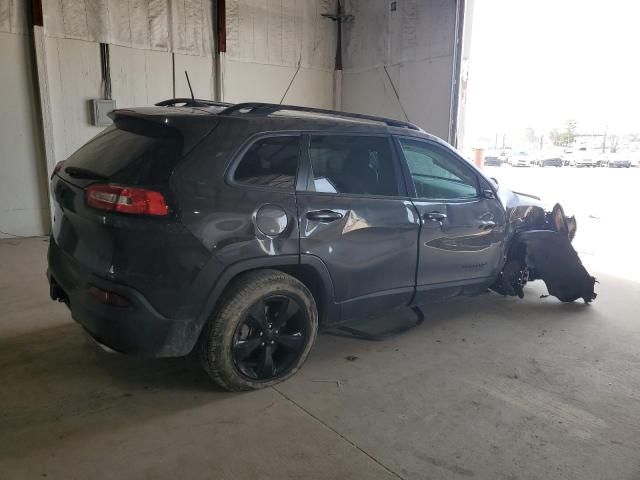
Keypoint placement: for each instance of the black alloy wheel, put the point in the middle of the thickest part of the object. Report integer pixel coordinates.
(261, 332)
(271, 338)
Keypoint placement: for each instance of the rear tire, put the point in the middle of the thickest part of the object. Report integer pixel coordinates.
(240, 351)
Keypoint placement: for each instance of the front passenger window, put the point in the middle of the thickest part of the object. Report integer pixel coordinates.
(436, 173)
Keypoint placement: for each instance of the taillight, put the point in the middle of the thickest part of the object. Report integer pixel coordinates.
(116, 198)
(56, 169)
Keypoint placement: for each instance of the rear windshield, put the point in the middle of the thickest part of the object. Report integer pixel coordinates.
(127, 157)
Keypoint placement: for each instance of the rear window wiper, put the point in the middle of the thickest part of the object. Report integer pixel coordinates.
(78, 172)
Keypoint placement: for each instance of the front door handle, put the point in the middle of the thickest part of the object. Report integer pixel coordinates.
(435, 216)
(487, 225)
(324, 216)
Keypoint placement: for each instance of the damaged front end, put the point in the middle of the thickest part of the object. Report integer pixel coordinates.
(540, 248)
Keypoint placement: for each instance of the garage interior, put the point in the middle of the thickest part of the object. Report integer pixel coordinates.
(486, 387)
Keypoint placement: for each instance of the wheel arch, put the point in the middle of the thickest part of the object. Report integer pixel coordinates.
(308, 269)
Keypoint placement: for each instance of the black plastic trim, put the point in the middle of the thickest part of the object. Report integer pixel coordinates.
(330, 307)
(258, 108)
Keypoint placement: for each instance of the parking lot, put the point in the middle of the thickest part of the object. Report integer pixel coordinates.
(601, 199)
(487, 387)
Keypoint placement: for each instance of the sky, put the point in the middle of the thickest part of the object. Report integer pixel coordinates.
(538, 63)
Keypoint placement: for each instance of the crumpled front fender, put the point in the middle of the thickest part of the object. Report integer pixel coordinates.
(540, 247)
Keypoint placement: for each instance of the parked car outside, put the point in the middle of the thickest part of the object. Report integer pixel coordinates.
(492, 161)
(618, 160)
(601, 158)
(583, 158)
(551, 161)
(240, 231)
(521, 159)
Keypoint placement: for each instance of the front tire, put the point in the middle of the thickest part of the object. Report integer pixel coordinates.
(261, 332)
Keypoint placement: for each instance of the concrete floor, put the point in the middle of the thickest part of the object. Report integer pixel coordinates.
(487, 388)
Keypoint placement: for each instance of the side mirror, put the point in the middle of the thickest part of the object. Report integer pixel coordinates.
(494, 180)
(488, 193)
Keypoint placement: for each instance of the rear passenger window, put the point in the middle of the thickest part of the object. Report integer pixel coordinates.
(352, 164)
(270, 162)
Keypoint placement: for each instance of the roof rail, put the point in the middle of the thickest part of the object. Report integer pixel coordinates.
(268, 108)
(188, 102)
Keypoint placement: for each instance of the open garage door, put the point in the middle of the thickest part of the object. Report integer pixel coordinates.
(406, 60)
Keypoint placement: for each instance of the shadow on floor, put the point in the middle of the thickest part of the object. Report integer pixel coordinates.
(57, 379)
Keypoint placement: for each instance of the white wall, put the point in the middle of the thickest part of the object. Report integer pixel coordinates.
(415, 44)
(73, 68)
(201, 75)
(267, 40)
(144, 36)
(138, 77)
(269, 43)
(23, 192)
(141, 51)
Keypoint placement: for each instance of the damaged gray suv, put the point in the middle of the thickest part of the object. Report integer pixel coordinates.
(241, 230)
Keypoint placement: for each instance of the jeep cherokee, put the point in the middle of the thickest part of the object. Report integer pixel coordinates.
(240, 230)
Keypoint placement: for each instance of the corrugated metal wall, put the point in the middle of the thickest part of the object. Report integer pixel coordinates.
(269, 42)
(13, 16)
(407, 53)
(181, 26)
(282, 32)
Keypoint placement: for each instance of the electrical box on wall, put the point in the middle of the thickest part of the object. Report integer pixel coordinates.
(99, 110)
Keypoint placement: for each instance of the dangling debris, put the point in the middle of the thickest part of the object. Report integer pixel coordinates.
(547, 254)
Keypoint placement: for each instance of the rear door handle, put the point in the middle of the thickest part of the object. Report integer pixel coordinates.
(324, 216)
(435, 216)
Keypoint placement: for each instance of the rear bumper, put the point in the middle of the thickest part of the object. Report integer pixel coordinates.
(136, 329)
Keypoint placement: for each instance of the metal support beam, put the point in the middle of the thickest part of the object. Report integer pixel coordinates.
(220, 48)
(339, 17)
(43, 90)
(456, 78)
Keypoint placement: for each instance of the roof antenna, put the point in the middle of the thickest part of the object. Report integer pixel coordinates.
(193, 100)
